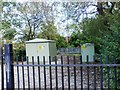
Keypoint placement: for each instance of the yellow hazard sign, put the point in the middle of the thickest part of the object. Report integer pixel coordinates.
(40, 47)
(83, 47)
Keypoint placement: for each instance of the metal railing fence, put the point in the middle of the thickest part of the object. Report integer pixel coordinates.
(66, 72)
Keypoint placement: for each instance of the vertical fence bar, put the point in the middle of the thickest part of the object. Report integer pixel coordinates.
(18, 74)
(2, 68)
(68, 68)
(9, 66)
(101, 73)
(44, 73)
(94, 74)
(27, 58)
(39, 75)
(23, 78)
(88, 72)
(74, 74)
(56, 73)
(33, 72)
(50, 73)
(81, 75)
(115, 74)
(108, 71)
(12, 69)
(62, 73)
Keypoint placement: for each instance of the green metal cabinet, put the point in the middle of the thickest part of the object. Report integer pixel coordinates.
(40, 47)
(87, 49)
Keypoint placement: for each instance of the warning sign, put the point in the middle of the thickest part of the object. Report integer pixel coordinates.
(83, 47)
(40, 47)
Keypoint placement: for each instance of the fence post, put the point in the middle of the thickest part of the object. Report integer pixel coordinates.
(2, 68)
(9, 66)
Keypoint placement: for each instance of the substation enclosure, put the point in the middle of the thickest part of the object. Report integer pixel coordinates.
(87, 49)
(40, 47)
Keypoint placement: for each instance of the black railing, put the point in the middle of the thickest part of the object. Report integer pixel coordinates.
(1, 69)
(66, 72)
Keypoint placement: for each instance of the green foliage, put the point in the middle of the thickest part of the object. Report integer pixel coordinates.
(93, 28)
(77, 38)
(6, 24)
(110, 39)
(74, 39)
(111, 45)
(49, 31)
(60, 42)
(110, 71)
(19, 51)
(8, 32)
(103, 31)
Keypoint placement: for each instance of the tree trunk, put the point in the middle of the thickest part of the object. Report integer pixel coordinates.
(100, 8)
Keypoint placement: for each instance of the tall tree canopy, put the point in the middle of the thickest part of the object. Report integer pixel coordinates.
(28, 18)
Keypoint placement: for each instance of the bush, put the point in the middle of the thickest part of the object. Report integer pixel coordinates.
(19, 52)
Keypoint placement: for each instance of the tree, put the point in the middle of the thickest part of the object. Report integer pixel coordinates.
(60, 42)
(49, 31)
(104, 31)
(77, 38)
(8, 32)
(29, 17)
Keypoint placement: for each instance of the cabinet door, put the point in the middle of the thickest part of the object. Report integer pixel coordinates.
(31, 50)
(42, 49)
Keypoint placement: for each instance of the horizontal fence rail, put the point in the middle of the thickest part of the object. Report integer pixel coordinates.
(68, 65)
